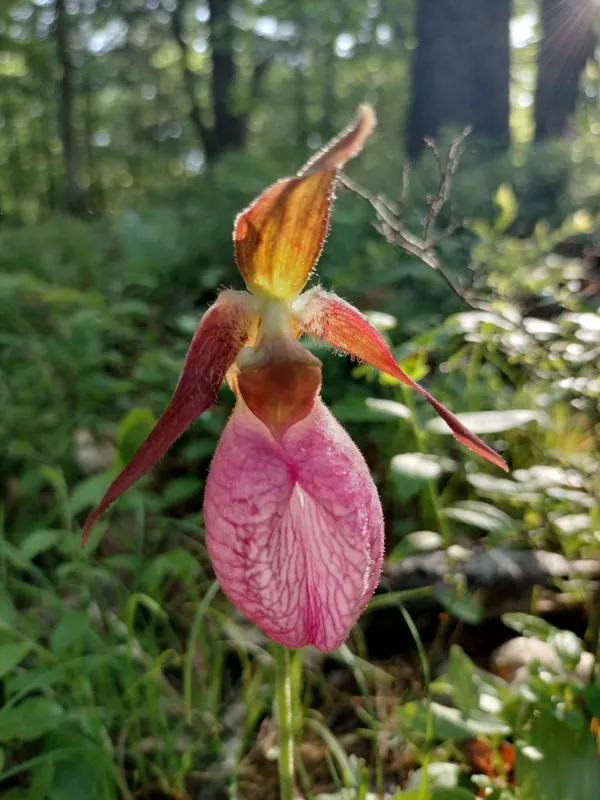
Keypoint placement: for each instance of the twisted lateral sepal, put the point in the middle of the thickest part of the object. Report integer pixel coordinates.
(294, 528)
(219, 337)
(324, 315)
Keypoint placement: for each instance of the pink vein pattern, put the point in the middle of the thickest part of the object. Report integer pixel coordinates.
(294, 528)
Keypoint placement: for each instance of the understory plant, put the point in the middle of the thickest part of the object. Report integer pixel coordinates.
(294, 524)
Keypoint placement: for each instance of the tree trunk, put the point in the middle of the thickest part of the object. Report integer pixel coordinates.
(204, 133)
(229, 123)
(567, 43)
(95, 196)
(328, 117)
(75, 200)
(14, 167)
(461, 71)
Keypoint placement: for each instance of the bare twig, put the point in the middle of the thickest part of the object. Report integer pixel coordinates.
(391, 226)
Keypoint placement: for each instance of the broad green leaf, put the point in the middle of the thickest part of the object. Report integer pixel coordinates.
(480, 422)
(134, 429)
(40, 541)
(388, 408)
(70, 632)
(492, 484)
(177, 564)
(591, 695)
(31, 719)
(417, 465)
(471, 321)
(571, 524)
(89, 492)
(558, 762)
(178, 490)
(79, 777)
(449, 723)
(484, 516)
(529, 625)
(416, 542)
(567, 645)
(380, 320)
(461, 603)
(11, 656)
(462, 677)
(409, 471)
(415, 366)
(438, 793)
(369, 409)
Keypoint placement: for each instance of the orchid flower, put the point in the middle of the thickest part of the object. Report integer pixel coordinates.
(294, 525)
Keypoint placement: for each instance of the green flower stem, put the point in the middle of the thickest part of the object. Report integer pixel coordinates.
(285, 716)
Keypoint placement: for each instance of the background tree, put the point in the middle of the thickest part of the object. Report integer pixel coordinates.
(460, 71)
(567, 44)
(75, 200)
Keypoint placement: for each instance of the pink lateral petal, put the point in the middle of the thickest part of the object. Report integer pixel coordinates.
(219, 337)
(294, 528)
(328, 317)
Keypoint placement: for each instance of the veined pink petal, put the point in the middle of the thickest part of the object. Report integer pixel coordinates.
(326, 316)
(219, 337)
(294, 528)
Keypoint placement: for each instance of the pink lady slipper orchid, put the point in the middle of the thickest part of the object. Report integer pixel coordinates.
(294, 525)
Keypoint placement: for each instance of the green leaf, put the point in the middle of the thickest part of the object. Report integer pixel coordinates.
(558, 762)
(462, 677)
(380, 320)
(489, 421)
(567, 645)
(410, 471)
(438, 793)
(506, 200)
(89, 492)
(33, 718)
(571, 524)
(134, 429)
(178, 490)
(484, 516)
(415, 366)
(528, 625)
(369, 409)
(40, 541)
(416, 542)
(449, 723)
(139, 598)
(11, 656)
(79, 777)
(461, 603)
(70, 632)
(417, 466)
(591, 695)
